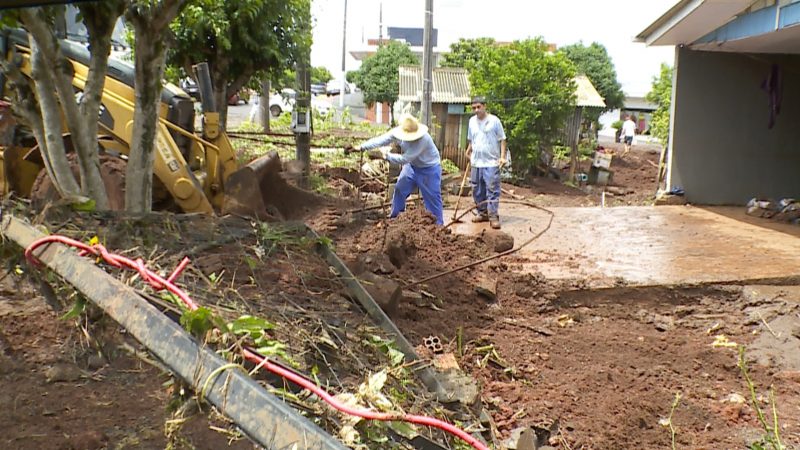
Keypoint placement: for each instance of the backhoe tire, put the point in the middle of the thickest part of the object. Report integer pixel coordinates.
(112, 171)
(275, 110)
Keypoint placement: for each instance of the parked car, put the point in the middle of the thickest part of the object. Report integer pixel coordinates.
(286, 99)
(318, 88)
(190, 87)
(334, 87)
(321, 106)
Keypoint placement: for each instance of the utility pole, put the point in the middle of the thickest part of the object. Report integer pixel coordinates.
(344, 53)
(380, 24)
(427, 64)
(301, 122)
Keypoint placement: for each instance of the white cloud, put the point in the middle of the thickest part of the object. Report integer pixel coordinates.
(613, 23)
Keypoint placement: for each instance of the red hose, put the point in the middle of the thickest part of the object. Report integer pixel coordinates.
(159, 283)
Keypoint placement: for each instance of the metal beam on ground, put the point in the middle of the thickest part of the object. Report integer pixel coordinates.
(262, 416)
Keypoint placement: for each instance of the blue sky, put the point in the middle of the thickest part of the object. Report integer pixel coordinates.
(613, 23)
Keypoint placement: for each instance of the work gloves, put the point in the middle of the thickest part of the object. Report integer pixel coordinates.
(371, 154)
(377, 154)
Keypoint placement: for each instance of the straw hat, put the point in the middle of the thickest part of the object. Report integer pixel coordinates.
(409, 129)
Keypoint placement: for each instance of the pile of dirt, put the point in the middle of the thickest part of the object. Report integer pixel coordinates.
(74, 384)
(602, 366)
(269, 271)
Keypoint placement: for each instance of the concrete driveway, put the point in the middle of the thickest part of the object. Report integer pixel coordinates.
(664, 245)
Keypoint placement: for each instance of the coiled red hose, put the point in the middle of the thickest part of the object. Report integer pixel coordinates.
(159, 283)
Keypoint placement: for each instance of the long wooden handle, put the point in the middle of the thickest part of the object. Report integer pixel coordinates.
(461, 189)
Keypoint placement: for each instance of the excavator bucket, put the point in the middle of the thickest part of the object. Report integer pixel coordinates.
(259, 190)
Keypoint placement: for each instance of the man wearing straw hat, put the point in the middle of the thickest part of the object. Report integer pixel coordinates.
(487, 151)
(419, 157)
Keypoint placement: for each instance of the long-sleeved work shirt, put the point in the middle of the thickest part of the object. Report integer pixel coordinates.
(420, 153)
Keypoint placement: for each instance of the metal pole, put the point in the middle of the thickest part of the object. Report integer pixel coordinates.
(268, 420)
(344, 54)
(427, 64)
(303, 139)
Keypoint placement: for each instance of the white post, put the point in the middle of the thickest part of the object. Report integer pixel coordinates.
(344, 53)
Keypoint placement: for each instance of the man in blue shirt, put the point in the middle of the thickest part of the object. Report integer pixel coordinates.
(488, 152)
(422, 166)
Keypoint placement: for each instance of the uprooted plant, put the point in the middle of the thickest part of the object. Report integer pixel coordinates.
(771, 438)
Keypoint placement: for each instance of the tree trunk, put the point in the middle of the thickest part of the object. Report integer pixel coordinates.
(51, 144)
(150, 55)
(83, 130)
(221, 99)
(150, 21)
(263, 104)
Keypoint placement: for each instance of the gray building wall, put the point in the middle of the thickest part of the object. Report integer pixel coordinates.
(722, 150)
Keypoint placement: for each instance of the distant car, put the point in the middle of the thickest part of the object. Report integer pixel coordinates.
(190, 87)
(318, 88)
(279, 103)
(334, 87)
(321, 106)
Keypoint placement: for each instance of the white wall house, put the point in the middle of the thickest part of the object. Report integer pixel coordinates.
(735, 99)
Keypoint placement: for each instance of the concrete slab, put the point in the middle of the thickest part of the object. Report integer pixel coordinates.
(663, 245)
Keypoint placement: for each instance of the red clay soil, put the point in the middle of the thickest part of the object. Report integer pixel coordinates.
(633, 183)
(117, 402)
(605, 364)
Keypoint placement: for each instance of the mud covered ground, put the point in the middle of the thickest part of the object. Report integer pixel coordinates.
(605, 365)
(597, 368)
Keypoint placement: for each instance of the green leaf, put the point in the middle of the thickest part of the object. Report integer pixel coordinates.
(77, 309)
(87, 206)
(253, 326)
(198, 322)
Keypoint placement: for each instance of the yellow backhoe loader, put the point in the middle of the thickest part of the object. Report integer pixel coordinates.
(196, 173)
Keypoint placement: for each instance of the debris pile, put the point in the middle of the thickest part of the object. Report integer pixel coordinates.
(784, 210)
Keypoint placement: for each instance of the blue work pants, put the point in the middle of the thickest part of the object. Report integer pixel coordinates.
(485, 183)
(429, 182)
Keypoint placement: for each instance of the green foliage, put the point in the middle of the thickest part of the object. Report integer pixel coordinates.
(319, 183)
(242, 38)
(77, 308)
(351, 76)
(661, 94)
(594, 62)
(256, 329)
(320, 75)
(199, 321)
(772, 438)
(467, 53)
(449, 167)
(378, 76)
(532, 92)
(387, 347)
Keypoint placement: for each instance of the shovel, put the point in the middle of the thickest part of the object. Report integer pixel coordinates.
(461, 191)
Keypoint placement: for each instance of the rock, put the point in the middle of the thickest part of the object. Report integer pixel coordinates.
(485, 417)
(445, 361)
(398, 249)
(513, 440)
(357, 266)
(88, 440)
(459, 387)
(62, 372)
(414, 297)
(382, 290)
(95, 362)
(380, 264)
(663, 323)
(735, 398)
(499, 241)
(487, 288)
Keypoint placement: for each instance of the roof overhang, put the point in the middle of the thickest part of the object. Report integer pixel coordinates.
(690, 20)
